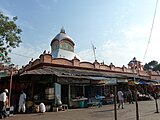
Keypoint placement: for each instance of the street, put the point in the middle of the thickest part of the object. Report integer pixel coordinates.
(147, 111)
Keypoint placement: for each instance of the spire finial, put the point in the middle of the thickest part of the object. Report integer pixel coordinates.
(62, 30)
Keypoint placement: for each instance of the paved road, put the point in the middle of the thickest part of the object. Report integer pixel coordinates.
(146, 110)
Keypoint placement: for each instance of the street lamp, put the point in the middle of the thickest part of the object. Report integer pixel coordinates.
(133, 65)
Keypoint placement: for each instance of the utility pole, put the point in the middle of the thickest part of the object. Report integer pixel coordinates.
(133, 64)
(115, 102)
(10, 85)
(156, 97)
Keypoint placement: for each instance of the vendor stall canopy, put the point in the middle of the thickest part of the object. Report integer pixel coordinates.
(76, 73)
(142, 82)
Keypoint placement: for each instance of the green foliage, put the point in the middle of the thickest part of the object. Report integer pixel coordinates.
(9, 36)
(153, 65)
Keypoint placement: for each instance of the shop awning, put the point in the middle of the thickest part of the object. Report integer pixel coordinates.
(141, 82)
(156, 81)
(60, 71)
(133, 83)
(94, 76)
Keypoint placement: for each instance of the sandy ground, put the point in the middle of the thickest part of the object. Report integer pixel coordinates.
(146, 112)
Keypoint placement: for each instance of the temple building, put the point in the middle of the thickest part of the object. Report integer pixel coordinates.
(62, 75)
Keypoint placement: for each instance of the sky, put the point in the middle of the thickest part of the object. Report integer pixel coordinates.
(119, 29)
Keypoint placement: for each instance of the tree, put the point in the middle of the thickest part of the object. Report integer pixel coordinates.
(153, 65)
(157, 68)
(9, 36)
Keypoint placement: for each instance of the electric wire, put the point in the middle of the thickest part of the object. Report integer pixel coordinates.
(151, 31)
(20, 55)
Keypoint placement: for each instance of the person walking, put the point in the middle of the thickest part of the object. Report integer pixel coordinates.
(3, 99)
(121, 99)
(22, 100)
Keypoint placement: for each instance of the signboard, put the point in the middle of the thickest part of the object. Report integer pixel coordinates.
(111, 81)
(122, 80)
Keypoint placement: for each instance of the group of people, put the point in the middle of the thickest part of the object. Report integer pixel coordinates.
(4, 103)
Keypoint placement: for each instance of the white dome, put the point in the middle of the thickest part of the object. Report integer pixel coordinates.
(62, 46)
(61, 36)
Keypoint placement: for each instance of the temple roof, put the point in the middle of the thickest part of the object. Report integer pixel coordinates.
(62, 35)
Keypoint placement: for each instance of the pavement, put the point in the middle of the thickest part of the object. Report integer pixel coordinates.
(147, 111)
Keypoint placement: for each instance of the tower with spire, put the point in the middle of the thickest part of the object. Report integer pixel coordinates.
(62, 46)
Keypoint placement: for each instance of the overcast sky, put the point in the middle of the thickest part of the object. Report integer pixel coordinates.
(119, 29)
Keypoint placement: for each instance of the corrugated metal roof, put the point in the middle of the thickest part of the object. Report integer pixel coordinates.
(81, 74)
(71, 72)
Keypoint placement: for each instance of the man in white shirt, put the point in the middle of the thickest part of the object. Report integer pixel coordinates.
(22, 100)
(3, 98)
(121, 99)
